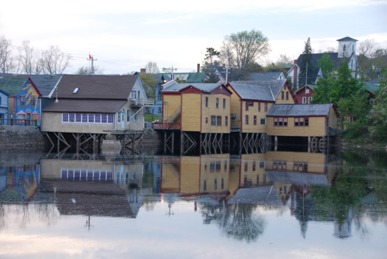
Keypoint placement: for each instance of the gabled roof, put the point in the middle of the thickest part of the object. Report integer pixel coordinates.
(196, 77)
(45, 83)
(12, 84)
(313, 87)
(263, 90)
(264, 76)
(293, 110)
(347, 39)
(106, 87)
(173, 86)
(313, 67)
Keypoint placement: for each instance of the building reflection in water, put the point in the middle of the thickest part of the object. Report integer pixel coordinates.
(227, 190)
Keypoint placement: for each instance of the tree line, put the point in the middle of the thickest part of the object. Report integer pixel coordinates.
(31, 61)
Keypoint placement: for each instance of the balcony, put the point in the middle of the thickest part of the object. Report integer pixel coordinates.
(142, 102)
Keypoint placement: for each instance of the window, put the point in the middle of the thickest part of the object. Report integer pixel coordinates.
(78, 117)
(127, 115)
(287, 95)
(263, 121)
(206, 102)
(247, 119)
(71, 117)
(282, 95)
(91, 117)
(246, 167)
(224, 103)
(217, 103)
(281, 122)
(265, 107)
(213, 120)
(254, 165)
(249, 104)
(65, 117)
(261, 164)
(279, 164)
(219, 120)
(301, 121)
(255, 119)
(300, 166)
(206, 120)
(309, 99)
(259, 106)
(307, 90)
(104, 118)
(226, 120)
(84, 117)
(97, 118)
(133, 94)
(303, 99)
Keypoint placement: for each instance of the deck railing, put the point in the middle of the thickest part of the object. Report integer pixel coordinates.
(19, 122)
(143, 102)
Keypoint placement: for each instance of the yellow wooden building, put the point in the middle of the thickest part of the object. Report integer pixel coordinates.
(317, 122)
(199, 111)
(196, 107)
(251, 100)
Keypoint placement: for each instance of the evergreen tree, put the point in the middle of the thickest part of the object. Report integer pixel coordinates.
(306, 68)
(210, 65)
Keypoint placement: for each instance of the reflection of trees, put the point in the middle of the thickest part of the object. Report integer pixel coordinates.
(304, 211)
(236, 220)
(24, 214)
(343, 201)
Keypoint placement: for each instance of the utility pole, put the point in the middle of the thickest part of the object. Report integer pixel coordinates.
(91, 59)
(170, 70)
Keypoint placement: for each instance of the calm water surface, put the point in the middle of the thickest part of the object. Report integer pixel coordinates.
(273, 204)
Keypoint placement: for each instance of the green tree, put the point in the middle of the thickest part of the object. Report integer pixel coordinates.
(304, 62)
(210, 64)
(326, 65)
(241, 49)
(149, 83)
(378, 114)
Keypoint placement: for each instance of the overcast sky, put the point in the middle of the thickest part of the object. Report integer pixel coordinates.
(124, 35)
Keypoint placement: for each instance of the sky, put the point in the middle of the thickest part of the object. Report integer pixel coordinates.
(123, 36)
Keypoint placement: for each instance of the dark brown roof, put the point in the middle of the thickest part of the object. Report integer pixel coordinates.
(86, 106)
(113, 87)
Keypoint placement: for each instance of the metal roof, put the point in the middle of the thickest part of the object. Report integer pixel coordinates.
(45, 83)
(113, 87)
(173, 86)
(299, 110)
(263, 90)
(12, 84)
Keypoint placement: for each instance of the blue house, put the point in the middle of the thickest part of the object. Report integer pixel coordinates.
(3, 107)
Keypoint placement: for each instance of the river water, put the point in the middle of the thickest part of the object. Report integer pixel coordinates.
(273, 204)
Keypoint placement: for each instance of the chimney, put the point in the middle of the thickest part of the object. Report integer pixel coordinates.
(142, 70)
(198, 68)
(295, 75)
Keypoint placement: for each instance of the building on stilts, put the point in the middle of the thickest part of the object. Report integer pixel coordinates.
(83, 111)
(196, 118)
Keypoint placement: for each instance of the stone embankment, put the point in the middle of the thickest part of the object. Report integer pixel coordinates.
(21, 138)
